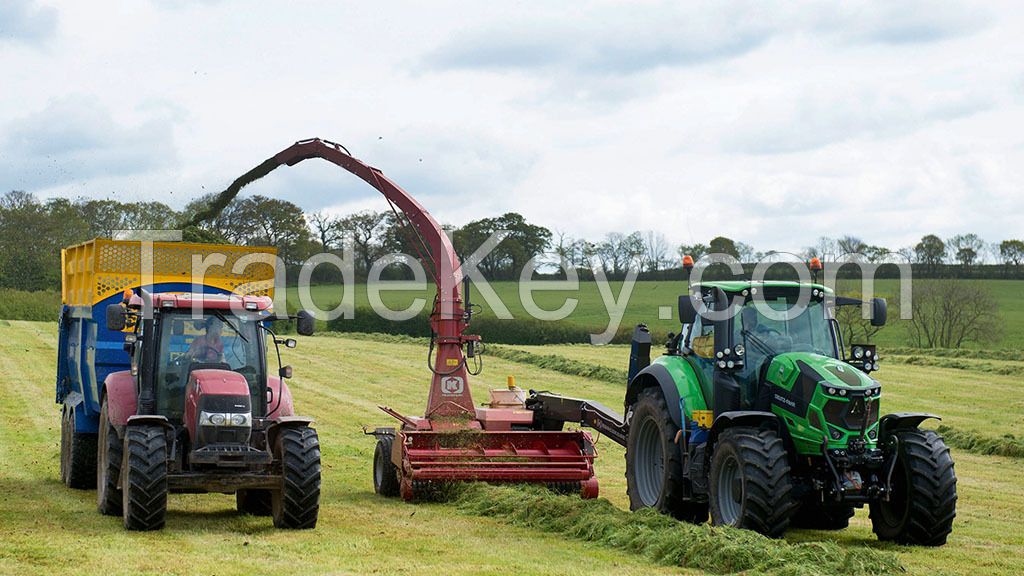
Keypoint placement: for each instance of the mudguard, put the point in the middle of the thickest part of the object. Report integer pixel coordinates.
(122, 397)
(656, 375)
(752, 418)
(281, 405)
(902, 421)
(150, 420)
(283, 423)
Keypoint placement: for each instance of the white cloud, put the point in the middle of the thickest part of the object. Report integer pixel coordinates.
(23, 20)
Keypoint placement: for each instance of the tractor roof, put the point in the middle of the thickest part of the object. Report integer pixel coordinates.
(735, 286)
(164, 300)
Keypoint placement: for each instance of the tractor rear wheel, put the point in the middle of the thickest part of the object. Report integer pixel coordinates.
(815, 515)
(144, 478)
(922, 504)
(297, 504)
(654, 470)
(385, 473)
(254, 502)
(108, 467)
(77, 454)
(750, 482)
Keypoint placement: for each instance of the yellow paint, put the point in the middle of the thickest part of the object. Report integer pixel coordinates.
(452, 361)
(703, 418)
(97, 269)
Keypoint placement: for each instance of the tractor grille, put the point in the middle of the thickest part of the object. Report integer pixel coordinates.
(849, 415)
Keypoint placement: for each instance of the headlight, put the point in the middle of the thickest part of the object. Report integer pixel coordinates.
(224, 419)
(858, 352)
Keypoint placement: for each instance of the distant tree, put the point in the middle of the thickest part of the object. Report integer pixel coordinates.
(1012, 253)
(723, 245)
(948, 314)
(522, 241)
(325, 229)
(851, 245)
(747, 253)
(855, 328)
(930, 251)
(695, 251)
(365, 229)
(965, 249)
(656, 251)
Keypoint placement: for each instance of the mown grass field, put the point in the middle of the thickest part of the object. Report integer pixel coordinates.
(49, 528)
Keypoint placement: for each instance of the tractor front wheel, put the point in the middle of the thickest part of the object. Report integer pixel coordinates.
(654, 470)
(108, 467)
(144, 478)
(922, 504)
(750, 482)
(297, 504)
(385, 473)
(77, 454)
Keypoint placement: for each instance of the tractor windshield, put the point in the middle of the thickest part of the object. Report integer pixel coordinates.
(806, 331)
(212, 340)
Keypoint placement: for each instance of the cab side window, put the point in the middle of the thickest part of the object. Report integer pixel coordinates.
(702, 339)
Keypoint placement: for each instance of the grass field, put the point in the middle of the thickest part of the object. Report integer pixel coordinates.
(647, 300)
(339, 381)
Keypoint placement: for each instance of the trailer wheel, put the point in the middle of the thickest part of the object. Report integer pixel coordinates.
(385, 473)
(923, 502)
(815, 515)
(654, 470)
(750, 484)
(108, 467)
(144, 478)
(77, 454)
(297, 504)
(254, 502)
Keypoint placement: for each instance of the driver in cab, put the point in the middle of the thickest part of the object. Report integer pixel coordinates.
(209, 347)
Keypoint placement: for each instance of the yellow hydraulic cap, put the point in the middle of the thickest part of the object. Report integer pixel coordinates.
(511, 382)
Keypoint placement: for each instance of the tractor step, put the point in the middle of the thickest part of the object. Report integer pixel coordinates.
(545, 457)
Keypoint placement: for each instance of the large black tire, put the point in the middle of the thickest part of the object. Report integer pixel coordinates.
(385, 473)
(77, 454)
(144, 478)
(750, 484)
(654, 469)
(297, 504)
(254, 502)
(110, 449)
(923, 502)
(815, 515)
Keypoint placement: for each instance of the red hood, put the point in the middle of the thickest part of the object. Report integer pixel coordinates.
(220, 383)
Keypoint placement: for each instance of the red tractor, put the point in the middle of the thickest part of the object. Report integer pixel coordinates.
(198, 412)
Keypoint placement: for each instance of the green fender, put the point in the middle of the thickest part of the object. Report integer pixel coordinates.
(679, 383)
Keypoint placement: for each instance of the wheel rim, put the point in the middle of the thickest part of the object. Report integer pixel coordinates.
(378, 472)
(730, 491)
(649, 463)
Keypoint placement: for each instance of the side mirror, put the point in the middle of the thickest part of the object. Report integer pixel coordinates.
(285, 372)
(879, 311)
(305, 323)
(687, 309)
(115, 318)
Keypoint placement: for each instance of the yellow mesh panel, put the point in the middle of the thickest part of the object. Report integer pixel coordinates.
(99, 269)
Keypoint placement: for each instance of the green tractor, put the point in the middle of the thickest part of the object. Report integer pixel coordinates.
(755, 416)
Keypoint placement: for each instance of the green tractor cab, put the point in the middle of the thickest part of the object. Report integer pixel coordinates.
(756, 417)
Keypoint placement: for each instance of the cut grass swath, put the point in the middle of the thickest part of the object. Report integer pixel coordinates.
(664, 540)
(1008, 445)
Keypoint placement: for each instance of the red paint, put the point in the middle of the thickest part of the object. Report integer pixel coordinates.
(210, 383)
(280, 391)
(122, 397)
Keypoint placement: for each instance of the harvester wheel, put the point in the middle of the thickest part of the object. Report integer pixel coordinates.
(297, 504)
(922, 505)
(108, 467)
(385, 473)
(750, 483)
(254, 502)
(654, 470)
(144, 478)
(816, 515)
(77, 454)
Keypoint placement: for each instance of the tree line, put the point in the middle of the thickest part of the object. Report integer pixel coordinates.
(33, 231)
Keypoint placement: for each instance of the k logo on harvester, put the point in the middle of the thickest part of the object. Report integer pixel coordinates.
(452, 385)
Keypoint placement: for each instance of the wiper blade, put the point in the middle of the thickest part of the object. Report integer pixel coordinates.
(756, 340)
(230, 325)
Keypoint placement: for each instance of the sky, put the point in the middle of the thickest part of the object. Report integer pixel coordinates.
(770, 123)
